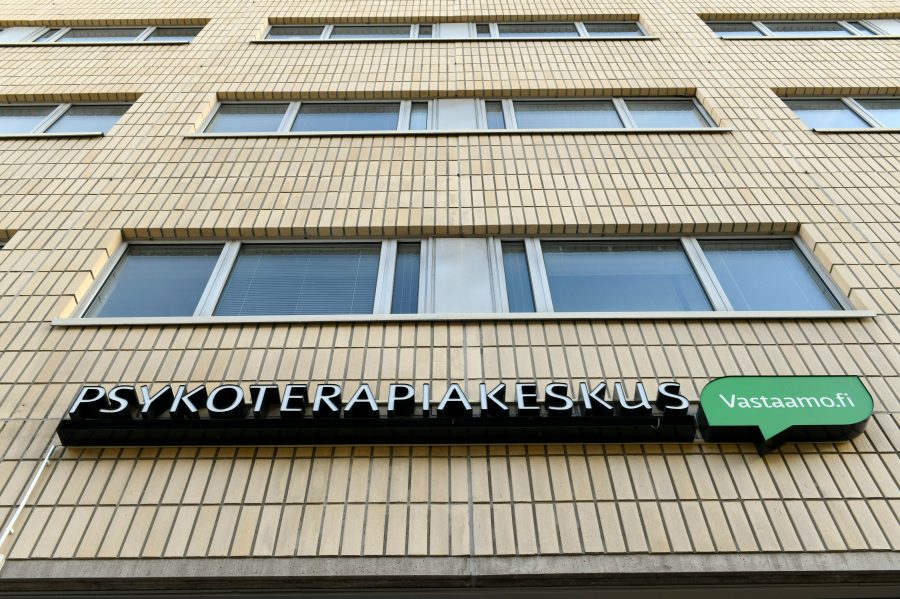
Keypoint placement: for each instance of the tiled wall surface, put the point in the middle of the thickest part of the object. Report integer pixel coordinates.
(66, 204)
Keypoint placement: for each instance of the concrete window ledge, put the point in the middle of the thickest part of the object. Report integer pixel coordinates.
(451, 133)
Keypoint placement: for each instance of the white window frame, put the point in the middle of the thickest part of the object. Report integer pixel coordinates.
(766, 32)
(57, 113)
(141, 38)
(293, 110)
(853, 104)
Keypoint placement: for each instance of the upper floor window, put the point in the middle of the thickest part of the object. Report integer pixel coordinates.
(36, 119)
(458, 114)
(804, 28)
(527, 30)
(100, 35)
(462, 275)
(822, 114)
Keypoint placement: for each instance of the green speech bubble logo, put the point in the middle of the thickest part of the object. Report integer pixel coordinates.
(770, 410)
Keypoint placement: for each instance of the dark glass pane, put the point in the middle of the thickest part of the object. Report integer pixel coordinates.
(22, 119)
(767, 275)
(537, 30)
(826, 114)
(173, 34)
(302, 279)
(482, 30)
(613, 30)
(89, 119)
(297, 32)
(405, 299)
(157, 280)
(518, 279)
(425, 31)
(807, 28)
(576, 114)
(624, 276)
(348, 116)
(370, 31)
(735, 29)
(47, 35)
(418, 116)
(887, 111)
(102, 34)
(495, 118)
(665, 114)
(247, 118)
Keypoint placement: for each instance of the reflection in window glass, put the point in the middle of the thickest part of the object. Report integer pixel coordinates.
(295, 32)
(495, 118)
(102, 34)
(613, 30)
(621, 276)
(418, 116)
(578, 114)
(89, 119)
(22, 119)
(247, 118)
(405, 298)
(302, 279)
(156, 281)
(665, 114)
(518, 279)
(482, 30)
(887, 111)
(370, 31)
(807, 28)
(767, 275)
(173, 34)
(735, 29)
(537, 30)
(826, 114)
(348, 116)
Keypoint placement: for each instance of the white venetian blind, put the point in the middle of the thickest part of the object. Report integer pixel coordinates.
(302, 279)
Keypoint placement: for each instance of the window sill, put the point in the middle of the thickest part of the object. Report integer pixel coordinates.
(810, 37)
(457, 39)
(435, 132)
(51, 135)
(65, 44)
(858, 130)
(502, 317)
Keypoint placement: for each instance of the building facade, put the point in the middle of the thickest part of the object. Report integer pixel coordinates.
(379, 194)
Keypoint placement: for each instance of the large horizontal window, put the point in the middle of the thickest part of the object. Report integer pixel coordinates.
(450, 31)
(822, 114)
(37, 119)
(461, 114)
(803, 28)
(101, 35)
(462, 276)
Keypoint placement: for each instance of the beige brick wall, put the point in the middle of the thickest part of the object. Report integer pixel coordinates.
(68, 203)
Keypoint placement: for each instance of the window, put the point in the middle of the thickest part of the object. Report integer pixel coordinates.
(347, 116)
(822, 114)
(457, 31)
(25, 119)
(178, 34)
(247, 118)
(479, 275)
(802, 28)
(663, 113)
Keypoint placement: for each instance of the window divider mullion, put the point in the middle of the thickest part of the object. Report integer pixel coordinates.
(62, 31)
(326, 32)
(147, 32)
(624, 113)
(494, 29)
(509, 114)
(384, 288)
(414, 31)
(290, 115)
(704, 271)
(426, 292)
(51, 118)
(36, 34)
(216, 284)
(763, 29)
(861, 112)
(540, 285)
(850, 29)
(498, 276)
(582, 29)
(404, 115)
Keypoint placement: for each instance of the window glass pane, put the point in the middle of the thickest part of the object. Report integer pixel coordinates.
(174, 34)
(735, 29)
(47, 35)
(418, 116)
(621, 276)
(665, 114)
(613, 30)
(826, 114)
(302, 279)
(518, 279)
(807, 28)
(537, 30)
(594, 114)
(89, 119)
(861, 29)
(158, 280)
(22, 119)
(767, 275)
(102, 34)
(297, 32)
(247, 118)
(886, 111)
(405, 299)
(425, 31)
(348, 116)
(370, 31)
(495, 118)
(482, 30)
